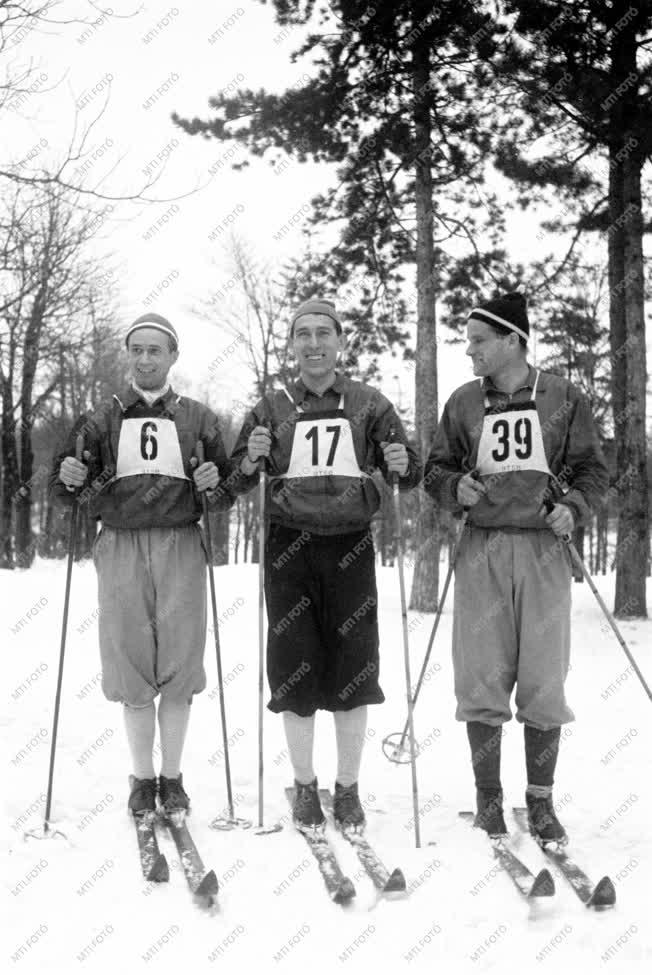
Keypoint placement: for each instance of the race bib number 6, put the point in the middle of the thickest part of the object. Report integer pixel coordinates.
(149, 446)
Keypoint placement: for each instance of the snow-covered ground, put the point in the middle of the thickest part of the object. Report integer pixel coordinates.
(83, 905)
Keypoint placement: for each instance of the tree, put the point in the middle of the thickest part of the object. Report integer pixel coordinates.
(583, 79)
(398, 104)
(48, 289)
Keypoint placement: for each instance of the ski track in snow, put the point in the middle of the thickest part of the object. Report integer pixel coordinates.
(83, 904)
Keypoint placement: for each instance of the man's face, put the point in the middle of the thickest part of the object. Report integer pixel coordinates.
(150, 359)
(316, 345)
(489, 351)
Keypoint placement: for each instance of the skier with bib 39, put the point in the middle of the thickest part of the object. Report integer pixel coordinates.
(321, 439)
(506, 444)
(145, 487)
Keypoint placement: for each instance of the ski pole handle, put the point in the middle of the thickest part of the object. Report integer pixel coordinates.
(474, 474)
(550, 507)
(391, 438)
(79, 455)
(199, 452)
(262, 461)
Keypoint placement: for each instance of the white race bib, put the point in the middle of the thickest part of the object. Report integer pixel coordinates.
(511, 440)
(323, 446)
(149, 446)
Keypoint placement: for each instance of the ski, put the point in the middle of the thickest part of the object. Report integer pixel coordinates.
(203, 884)
(387, 883)
(339, 887)
(601, 896)
(524, 880)
(152, 861)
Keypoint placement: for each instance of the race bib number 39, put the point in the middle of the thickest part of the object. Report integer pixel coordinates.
(512, 439)
(149, 447)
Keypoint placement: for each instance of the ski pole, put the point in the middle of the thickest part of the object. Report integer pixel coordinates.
(72, 542)
(220, 822)
(397, 750)
(262, 487)
(406, 656)
(548, 505)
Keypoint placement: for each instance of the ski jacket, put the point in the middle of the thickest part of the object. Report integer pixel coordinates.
(331, 491)
(514, 498)
(125, 438)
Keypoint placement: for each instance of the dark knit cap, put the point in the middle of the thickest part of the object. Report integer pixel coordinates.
(151, 320)
(317, 306)
(509, 310)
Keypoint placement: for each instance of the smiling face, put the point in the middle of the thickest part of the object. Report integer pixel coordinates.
(150, 358)
(316, 344)
(490, 353)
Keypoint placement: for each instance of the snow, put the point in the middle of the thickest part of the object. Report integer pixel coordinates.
(462, 915)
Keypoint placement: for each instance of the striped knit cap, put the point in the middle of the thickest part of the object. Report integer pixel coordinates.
(151, 320)
(509, 310)
(317, 306)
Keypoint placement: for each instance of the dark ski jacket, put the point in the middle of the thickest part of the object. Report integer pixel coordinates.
(145, 500)
(514, 499)
(327, 504)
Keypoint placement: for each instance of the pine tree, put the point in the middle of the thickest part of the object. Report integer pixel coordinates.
(400, 102)
(581, 74)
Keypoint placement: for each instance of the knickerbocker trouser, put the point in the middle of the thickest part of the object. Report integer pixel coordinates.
(511, 626)
(152, 603)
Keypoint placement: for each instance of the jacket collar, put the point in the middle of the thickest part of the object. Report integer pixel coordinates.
(488, 386)
(337, 386)
(129, 397)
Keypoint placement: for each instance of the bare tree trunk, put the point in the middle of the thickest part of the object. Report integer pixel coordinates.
(425, 581)
(578, 540)
(219, 529)
(602, 532)
(627, 338)
(633, 524)
(9, 476)
(238, 523)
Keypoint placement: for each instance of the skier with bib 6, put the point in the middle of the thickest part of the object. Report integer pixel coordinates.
(141, 479)
(321, 439)
(518, 448)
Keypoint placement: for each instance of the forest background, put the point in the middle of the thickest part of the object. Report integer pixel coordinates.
(218, 164)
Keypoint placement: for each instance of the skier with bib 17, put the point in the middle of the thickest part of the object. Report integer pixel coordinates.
(142, 480)
(519, 450)
(321, 438)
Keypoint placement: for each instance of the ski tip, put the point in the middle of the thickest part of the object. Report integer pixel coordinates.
(345, 891)
(604, 895)
(543, 886)
(160, 872)
(208, 887)
(395, 883)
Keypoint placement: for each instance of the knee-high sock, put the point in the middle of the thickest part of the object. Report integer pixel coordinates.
(350, 728)
(173, 719)
(300, 735)
(485, 743)
(140, 725)
(541, 750)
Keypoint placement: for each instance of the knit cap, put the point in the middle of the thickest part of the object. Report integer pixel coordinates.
(317, 306)
(151, 320)
(509, 310)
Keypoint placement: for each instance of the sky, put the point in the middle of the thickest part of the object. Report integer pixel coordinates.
(117, 76)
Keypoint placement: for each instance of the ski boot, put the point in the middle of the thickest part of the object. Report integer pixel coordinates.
(347, 811)
(172, 796)
(306, 808)
(542, 820)
(489, 815)
(142, 797)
